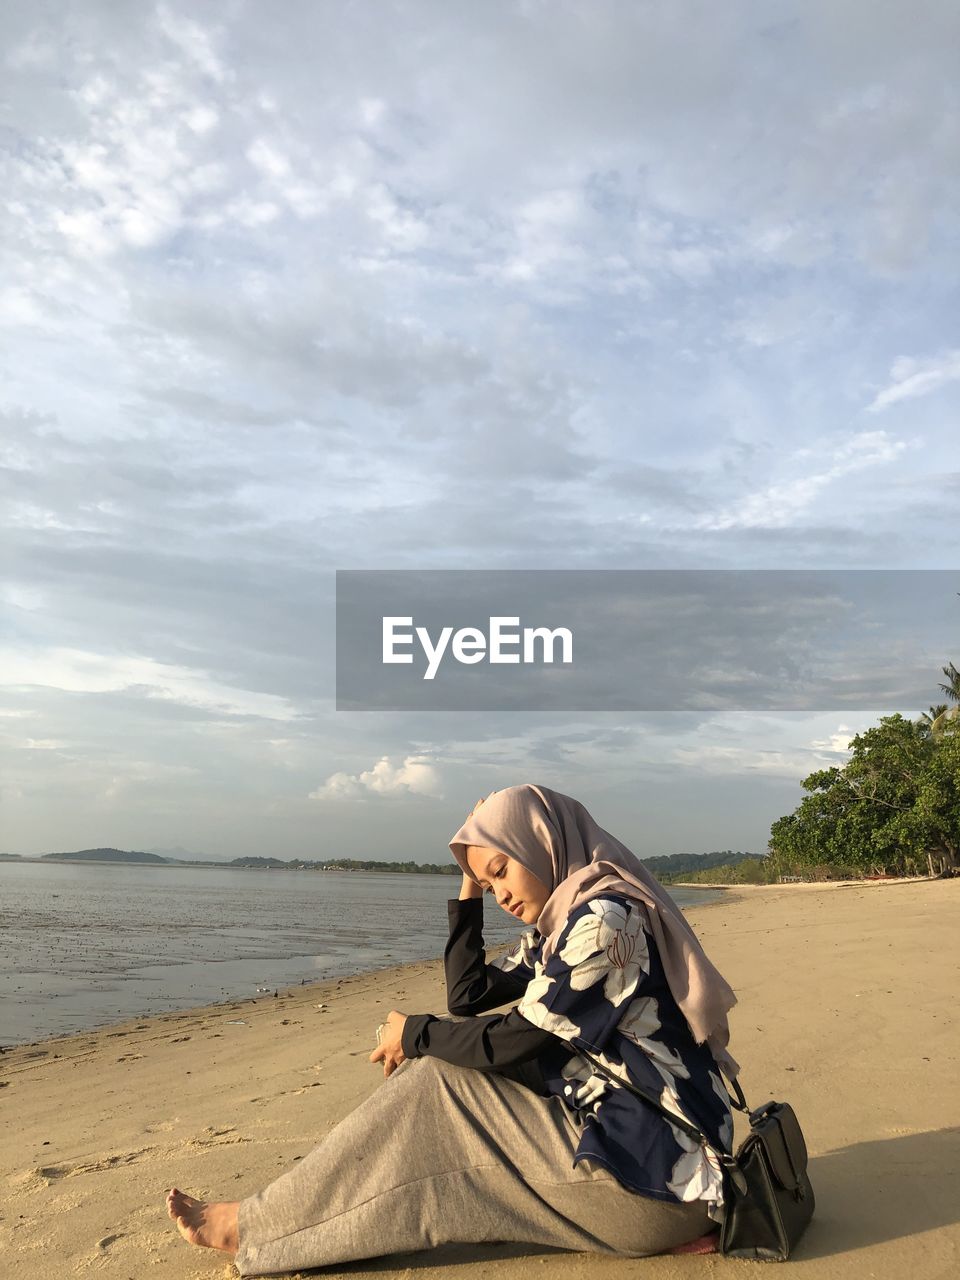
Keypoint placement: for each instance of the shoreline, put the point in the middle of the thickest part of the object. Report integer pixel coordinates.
(295, 996)
(285, 989)
(303, 993)
(844, 1010)
(323, 990)
(792, 886)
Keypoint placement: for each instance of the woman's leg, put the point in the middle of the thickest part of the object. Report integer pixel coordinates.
(443, 1154)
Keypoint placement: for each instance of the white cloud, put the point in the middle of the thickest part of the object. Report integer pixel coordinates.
(415, 775)
(780, 504)
(372, 111)
(79, 671)
(724, 761)
(194, 41)
(837, 743)
(268, 158)
(912, 378)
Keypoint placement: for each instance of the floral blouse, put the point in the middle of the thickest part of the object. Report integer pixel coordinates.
(603, 990)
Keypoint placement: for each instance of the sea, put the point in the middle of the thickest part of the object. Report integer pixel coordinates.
(84, 945)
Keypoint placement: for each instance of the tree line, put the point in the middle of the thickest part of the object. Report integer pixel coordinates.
(893, 809)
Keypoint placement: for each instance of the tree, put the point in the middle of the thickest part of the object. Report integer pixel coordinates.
(937, 811)
(893, 808)
(952, 687)
(933, 719)
(938, 717)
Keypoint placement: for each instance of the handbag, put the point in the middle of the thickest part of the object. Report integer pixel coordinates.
(767, 1197)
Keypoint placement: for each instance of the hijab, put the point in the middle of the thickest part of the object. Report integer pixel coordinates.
(556, 839)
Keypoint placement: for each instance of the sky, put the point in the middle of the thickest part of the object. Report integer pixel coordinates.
(440, 285)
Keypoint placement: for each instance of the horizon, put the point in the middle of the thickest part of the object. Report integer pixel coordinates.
(199, 857)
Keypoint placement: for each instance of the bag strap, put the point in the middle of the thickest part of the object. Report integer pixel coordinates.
(728, 1161)
(681, 1123)
(741, 1102)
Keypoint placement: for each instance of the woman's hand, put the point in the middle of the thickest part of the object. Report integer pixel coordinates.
(389, 1051)
(468, 886)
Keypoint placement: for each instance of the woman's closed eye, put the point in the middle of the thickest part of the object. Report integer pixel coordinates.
(497, 875)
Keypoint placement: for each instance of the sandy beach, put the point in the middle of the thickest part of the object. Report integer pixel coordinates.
(847, 1009)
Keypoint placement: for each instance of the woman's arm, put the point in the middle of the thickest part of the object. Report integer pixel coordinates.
(473, 986)
(486, 1044)
(496, 1043)
(469, 888)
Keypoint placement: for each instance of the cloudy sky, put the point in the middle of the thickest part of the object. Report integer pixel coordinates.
(446, 285)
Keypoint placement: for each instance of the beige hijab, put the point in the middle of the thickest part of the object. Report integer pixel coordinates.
(556, 839)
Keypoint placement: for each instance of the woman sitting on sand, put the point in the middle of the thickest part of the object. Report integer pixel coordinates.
(498, 1128)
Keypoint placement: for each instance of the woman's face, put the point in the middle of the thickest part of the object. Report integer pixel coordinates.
(516, 889)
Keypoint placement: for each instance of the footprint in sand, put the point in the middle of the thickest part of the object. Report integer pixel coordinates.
(211, 1137)
(46, 1175)
(162, 1126)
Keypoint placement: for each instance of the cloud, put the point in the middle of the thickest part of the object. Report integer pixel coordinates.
(912, 378)
(837, 743)
(415, 775)
(781, 503)
(590, 285)
(78, 671)
(746, 760)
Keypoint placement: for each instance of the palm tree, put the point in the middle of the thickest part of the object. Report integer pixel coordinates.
(934, 719)
(938, 717)
(952, 687)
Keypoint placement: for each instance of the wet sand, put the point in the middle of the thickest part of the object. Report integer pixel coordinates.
(847, 1009)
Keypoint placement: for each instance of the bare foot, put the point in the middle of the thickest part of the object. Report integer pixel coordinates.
(211, 1225)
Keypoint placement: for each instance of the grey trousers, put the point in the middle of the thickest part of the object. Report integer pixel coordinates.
(442, 1154)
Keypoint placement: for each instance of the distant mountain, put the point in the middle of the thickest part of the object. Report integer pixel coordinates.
(675, 864)
(258, 862)
(106, 855)
(179, 854)
(666, 867)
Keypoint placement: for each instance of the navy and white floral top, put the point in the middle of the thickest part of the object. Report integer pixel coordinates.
(603, 990)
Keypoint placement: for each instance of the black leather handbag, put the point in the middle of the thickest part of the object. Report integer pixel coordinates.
(767, 1197)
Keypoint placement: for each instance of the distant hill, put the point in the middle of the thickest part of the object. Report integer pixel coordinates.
(179, 854)
(666, 868)
(678, 864)
(105, 855)
(259, 862)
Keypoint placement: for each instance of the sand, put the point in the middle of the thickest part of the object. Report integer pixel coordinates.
(847, 1009)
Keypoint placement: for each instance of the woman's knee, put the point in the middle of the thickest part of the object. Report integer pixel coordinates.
(428, 1068)
(435, 1073)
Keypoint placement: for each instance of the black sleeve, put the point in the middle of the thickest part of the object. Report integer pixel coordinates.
(473, 986)
(487, 1044)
